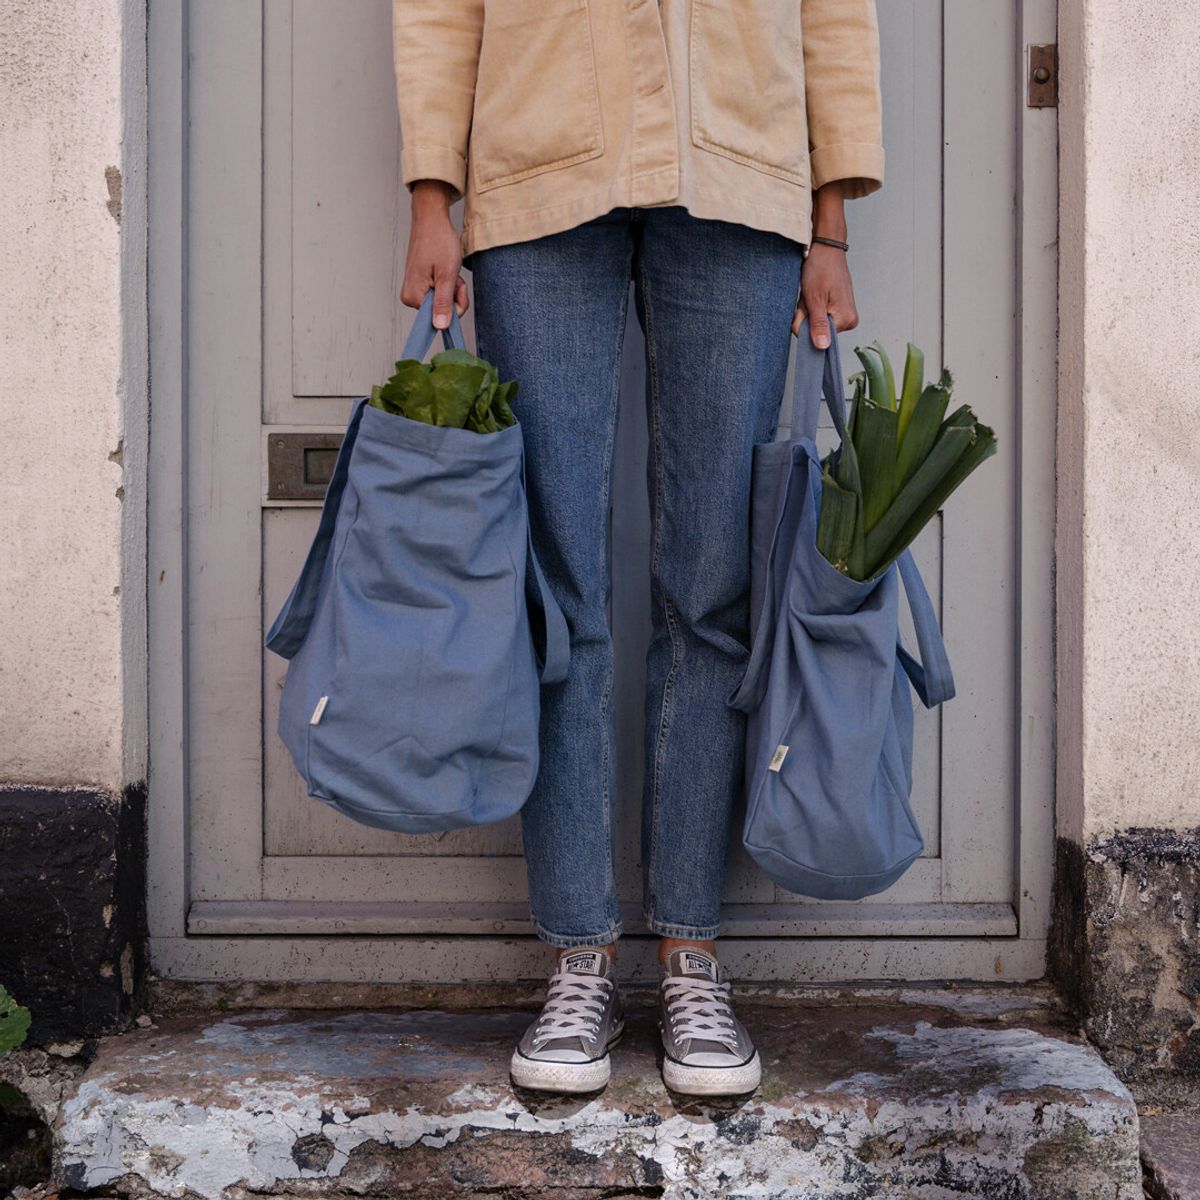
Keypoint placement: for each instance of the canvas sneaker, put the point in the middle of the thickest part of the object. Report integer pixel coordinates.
(566, 1048)
(706, 1049)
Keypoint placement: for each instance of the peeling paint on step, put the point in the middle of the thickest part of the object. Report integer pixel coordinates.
(910, 1100)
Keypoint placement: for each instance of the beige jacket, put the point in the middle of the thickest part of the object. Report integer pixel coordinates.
(546, 113)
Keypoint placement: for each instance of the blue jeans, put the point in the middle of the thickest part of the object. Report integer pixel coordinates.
(715, 301)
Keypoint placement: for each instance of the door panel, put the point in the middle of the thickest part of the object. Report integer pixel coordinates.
(292, 108)
(346, 324)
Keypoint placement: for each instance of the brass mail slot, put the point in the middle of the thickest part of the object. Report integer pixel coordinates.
(300, 465)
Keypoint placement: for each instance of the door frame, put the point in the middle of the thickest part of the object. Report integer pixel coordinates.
(185, 951)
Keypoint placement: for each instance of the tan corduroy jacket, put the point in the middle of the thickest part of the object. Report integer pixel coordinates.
(546, 113)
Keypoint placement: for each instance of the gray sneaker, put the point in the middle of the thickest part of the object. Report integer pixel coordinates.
(706, 1049)
(566, 1048)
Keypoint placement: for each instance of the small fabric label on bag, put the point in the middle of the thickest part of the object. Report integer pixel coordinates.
(777, 758)
(319, 711)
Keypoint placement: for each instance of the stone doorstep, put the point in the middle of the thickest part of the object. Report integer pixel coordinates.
(1171, 1153)
(939, 1098)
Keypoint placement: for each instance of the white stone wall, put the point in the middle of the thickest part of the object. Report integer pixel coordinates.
(1128, 558)
(71, 671)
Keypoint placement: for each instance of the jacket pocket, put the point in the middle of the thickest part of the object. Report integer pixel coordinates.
(537, 105)
(746, 75)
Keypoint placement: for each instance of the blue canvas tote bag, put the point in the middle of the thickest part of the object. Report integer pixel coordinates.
(421, 625)
(826, 686)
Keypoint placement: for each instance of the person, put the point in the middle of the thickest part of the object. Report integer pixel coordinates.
(700, 150)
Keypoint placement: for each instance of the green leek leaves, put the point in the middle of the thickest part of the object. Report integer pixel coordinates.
(902, 459)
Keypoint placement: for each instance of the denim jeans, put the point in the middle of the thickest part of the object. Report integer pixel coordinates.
(715, 301)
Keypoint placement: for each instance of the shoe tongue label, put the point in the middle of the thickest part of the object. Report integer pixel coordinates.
(699, 964)
(586, 962)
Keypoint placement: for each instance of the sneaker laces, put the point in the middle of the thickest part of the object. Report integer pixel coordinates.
(574, 1005)
(699, 1009)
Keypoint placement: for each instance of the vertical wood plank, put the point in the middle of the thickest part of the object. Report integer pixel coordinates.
(1037, 274)
(347, 251)
(979, 555)
(167, 775)
(224, 311)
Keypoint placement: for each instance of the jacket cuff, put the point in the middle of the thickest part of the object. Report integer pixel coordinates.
(433, 162)
(858, 164)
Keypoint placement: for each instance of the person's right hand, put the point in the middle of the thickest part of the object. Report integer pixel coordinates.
(434, 253)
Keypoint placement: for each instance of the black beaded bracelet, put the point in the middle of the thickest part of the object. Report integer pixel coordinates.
(830, 242)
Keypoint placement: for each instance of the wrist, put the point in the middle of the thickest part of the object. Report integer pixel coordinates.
(432, 196)
(829, 211)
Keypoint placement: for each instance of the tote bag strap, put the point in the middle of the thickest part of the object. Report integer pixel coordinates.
(421, 336)
(752, 687)
(817, 374)
(290, 628)
(931, 676)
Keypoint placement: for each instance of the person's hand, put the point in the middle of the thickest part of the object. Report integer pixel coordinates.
(825, 287)
(825, 290)
(434, 254)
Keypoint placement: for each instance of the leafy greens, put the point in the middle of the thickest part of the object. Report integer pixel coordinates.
(453, 389)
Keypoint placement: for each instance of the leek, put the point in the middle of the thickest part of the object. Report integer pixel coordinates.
(900, 461)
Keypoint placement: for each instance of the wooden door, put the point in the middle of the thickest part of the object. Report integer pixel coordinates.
(279, 226)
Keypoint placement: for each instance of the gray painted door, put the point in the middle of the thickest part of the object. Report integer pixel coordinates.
(294, 229)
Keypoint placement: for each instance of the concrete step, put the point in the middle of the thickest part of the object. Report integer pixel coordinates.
(951, 1094)
(1171, 1154)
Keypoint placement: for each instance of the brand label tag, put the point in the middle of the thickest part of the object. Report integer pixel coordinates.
(778, 757)
(589, 960)
(319, 711)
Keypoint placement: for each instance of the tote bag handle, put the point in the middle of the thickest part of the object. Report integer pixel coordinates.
(551, 641)
(421, 336)
(290, 627)
(816, 374)
(931, 675)
(819, 375)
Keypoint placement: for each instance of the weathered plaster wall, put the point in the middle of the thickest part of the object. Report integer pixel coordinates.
(1123, 947)
(72, 386)
(1129, 448)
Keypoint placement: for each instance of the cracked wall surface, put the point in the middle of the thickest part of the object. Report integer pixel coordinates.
(1126, 952)
(1128, 460)
(1123, 943)
(64, 659)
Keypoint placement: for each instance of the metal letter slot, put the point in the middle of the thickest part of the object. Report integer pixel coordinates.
(300, 465)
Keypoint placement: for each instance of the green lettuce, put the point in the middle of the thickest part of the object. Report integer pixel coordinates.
(453, 389)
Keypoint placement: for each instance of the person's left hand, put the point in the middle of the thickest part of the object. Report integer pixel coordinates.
(825, 290)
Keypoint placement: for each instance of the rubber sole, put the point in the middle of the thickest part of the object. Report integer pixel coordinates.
(712, 1081)
(563, 1076)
